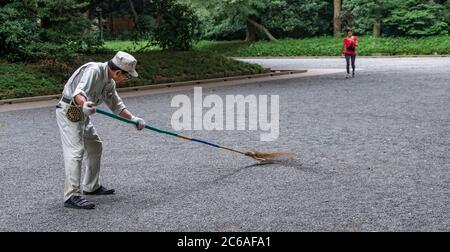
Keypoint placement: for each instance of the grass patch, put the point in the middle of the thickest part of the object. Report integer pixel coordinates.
(128, 46)
(329, 46)
(317, 46)
(23, 80)
(48, 77)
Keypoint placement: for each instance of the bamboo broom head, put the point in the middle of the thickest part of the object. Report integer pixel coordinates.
(268, 156)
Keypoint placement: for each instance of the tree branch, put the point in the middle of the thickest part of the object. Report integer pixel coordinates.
(262, 28)
(133, 10)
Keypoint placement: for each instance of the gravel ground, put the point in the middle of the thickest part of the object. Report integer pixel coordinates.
(372, 155)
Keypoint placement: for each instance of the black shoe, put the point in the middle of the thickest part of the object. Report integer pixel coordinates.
(353, 75)
(78, 202)
(100, 191)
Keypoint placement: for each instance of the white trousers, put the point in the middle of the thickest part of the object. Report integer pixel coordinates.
(80, 142)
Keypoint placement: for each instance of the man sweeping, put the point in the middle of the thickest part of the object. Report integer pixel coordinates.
(89, 86)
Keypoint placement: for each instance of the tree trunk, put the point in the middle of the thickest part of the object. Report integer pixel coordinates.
(87, 13)
(133, 10)
(377, 22)
(376, 28)
(336, 18)
(250, 32)
(259, 27)
(111, 19)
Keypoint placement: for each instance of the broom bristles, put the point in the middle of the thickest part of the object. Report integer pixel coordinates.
(267, 156)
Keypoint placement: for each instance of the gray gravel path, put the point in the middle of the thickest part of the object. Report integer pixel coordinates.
(372, 155)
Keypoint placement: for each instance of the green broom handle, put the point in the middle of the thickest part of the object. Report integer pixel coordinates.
(101, 111)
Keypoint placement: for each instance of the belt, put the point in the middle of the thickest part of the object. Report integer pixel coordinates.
(64, 99)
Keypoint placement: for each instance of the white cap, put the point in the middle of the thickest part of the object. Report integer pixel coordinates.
(126, 62)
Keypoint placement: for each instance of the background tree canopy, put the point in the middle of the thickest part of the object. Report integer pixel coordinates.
(35, 29)
(413, 18)
(229, 19)
(226, 19)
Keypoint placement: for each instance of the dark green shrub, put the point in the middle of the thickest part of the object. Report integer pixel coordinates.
(416, 19)
(168, 24)
(34, 30)
(18, 33)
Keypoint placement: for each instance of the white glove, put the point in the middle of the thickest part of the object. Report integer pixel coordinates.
(140, 123)
(88, 108)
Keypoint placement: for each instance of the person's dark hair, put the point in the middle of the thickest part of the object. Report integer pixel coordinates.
(114, 67)
(349, 30)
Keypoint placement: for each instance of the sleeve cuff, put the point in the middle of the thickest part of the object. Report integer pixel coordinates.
(79, 91)
(119, 110)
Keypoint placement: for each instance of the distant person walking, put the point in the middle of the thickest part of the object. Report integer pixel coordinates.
(349, 50)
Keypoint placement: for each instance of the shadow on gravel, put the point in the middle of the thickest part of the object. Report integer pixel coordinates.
(288, 163)
(274, 164)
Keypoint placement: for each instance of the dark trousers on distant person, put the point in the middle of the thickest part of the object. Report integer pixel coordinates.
(352, 58)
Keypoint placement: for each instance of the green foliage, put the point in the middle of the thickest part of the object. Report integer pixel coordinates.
(437, 45)
(297, 18)
(177, 26)
(49, 76)
(286, 47)
(63, 23)
(234, 9)
(37, 29)
(330, 46)
(416, 19)
(130, 46)
(21, 80)
(221, 27)
(17, 32)
(165, 67)
(225, 19)
(361, 14)
(446, 15)
(412, 18)
(144, 27)
(168, 24)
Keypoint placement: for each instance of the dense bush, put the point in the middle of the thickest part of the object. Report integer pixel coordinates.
(416, 19)
(167, 24)
(176, 26)
(411, 18)
(44, 29)
(298, 18)
(18, 33)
